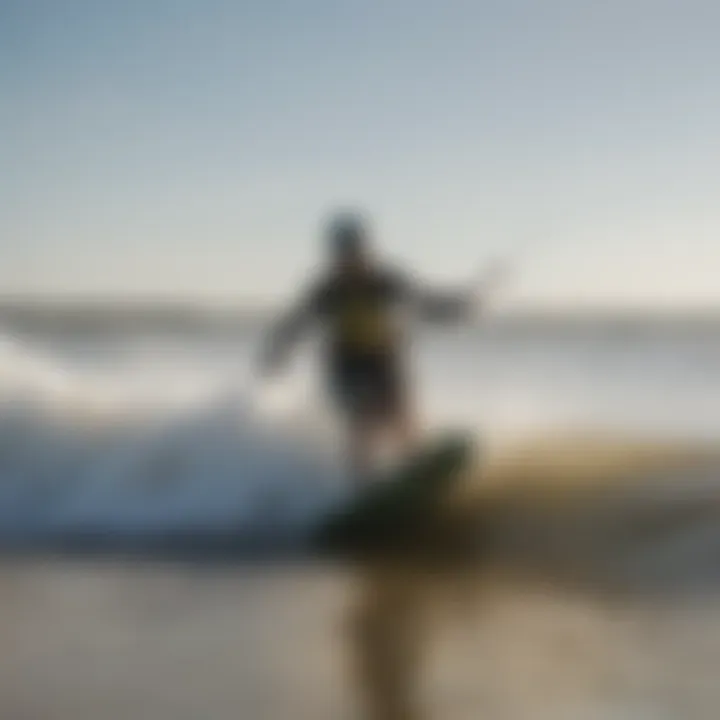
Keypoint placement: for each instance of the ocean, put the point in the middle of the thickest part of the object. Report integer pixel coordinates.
(165, 429)
(124, 433)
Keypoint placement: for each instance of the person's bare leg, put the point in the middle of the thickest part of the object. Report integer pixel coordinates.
(403, 429)
(360, 450)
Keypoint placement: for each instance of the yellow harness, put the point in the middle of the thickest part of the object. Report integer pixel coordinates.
(363, 323)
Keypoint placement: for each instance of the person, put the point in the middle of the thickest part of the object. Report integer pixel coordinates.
(358, 300)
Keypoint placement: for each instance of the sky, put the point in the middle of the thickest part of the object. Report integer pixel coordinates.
(192, 148)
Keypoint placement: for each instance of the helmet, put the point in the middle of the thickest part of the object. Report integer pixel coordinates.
(347, 233)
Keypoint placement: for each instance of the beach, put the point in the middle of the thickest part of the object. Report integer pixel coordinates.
(153, 515)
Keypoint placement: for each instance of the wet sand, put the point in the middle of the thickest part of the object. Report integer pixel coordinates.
(94, 642)
(111, 640)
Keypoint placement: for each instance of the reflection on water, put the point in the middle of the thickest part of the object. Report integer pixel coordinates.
(388, 638)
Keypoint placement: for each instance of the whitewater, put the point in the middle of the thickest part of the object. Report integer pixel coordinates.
(120, 437)
(578, 579)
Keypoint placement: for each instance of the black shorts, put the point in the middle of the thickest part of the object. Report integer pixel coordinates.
(368, 386)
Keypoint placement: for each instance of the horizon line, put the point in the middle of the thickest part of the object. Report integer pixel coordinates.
(99, 302)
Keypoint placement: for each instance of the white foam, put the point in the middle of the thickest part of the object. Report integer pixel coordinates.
(148, 438)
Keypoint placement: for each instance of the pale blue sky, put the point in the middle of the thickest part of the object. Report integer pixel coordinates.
(191, 147)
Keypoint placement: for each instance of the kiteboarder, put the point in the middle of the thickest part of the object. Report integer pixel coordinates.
(358, 300)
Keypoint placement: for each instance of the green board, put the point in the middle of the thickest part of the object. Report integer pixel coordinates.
(393, 507)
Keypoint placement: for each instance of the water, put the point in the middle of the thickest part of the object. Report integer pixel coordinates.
(594, 596)
(160, 432)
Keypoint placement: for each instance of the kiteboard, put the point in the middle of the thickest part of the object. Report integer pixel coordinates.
(392, 507)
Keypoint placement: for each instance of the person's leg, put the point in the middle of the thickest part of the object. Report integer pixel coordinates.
(403, 429)
(360, 448)
(346, 384)
(381, 416)
(401, 420)
(362, 419)
(374, 401)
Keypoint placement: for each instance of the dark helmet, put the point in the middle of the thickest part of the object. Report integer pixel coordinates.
(347, 233)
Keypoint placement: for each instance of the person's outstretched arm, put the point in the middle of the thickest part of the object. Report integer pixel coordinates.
(449, 305)
(458, 304)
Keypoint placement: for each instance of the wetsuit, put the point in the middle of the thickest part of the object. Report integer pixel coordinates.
(364, 349)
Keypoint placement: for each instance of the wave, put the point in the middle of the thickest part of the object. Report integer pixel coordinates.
(81, 458)
(177, 453)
